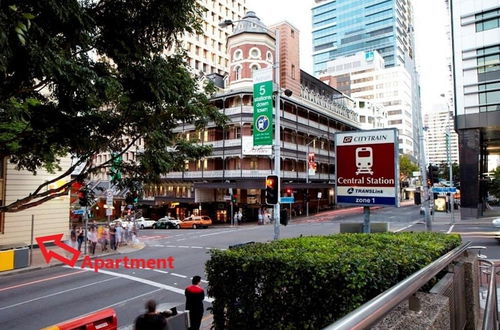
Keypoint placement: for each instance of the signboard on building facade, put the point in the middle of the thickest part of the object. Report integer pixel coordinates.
(367, 167)
(263, 107)
(311, 164)
(249, 149)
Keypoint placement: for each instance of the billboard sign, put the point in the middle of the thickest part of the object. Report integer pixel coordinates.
(263, 107)
(311, 163)
(367, 167)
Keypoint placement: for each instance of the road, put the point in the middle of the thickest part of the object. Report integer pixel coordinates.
(44, 297)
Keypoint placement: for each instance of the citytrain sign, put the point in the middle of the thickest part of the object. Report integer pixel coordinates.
(367, 167)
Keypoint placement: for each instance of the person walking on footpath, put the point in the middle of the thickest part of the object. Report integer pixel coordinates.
(112, 237)
(80, 237)
(92, 237)
(151, 320)
(194, 302)
(72, 236)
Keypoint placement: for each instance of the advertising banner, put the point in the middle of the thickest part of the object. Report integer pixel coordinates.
(367, 167)
(263, 107)
(311, 163)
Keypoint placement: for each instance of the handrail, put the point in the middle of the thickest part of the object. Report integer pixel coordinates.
(375, 309)
(490, 318)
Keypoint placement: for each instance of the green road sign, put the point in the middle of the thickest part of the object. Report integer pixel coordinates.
(263, 107)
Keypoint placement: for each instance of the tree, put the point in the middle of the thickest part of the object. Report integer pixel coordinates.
(406, 167)
(80, 77)
(494, 185)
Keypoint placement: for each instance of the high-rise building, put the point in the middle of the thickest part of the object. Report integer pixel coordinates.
(345, 27)
(438, 122)
(364, 75)
(207, 51)
(476, 61)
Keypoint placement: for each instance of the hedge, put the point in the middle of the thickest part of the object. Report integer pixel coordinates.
(309, 282)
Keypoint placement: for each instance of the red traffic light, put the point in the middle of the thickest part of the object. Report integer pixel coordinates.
(288, 191)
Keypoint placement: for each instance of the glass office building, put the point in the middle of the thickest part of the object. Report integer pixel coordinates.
(345, 27)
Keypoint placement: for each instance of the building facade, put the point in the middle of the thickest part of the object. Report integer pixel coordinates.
(438, 122)
(345, 27)
(49, 218)
(365, 76)
(233, 178)
(476, 60)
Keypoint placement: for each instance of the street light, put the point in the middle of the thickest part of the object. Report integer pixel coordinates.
(277, 138)
(448, 156)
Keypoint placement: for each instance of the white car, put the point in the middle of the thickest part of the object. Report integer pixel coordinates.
(496, 222)
(144, 223)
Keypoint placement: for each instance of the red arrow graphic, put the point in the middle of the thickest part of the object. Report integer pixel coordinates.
(48, 254)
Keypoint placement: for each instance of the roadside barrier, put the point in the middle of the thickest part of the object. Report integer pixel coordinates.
(101, 320)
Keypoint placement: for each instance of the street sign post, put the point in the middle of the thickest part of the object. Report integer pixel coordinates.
(367, 169)
(286, 200)
(438, 190)
(263, 107)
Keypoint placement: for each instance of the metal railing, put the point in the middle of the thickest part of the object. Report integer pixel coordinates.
(374, 310)
(490, 317)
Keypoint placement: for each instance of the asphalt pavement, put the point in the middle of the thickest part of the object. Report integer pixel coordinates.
(44, 295)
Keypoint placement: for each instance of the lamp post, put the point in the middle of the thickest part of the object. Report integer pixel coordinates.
(277, 123)
(448, 156)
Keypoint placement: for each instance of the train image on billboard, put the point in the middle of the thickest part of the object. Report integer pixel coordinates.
(364, 160)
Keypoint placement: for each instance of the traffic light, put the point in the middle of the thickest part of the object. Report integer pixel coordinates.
(272, 193)
(234, 198)
(83, 197)
(433, 174)
(288, 192)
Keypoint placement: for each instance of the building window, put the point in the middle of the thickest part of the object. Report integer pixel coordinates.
(254, 53)
(292, 33)
(269, 56)
(489, 97)
(487, 60)
(238, 54)
(254, 67)
(293, 71)
(488, 20)
(237, 73)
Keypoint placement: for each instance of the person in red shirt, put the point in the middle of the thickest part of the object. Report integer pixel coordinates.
(194, 302)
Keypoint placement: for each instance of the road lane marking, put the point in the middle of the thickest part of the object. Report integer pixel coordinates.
(145, 281)
(132, 298)
(55, 294)
(196, 247)
(178, 275)
(38, 281)
(401, 229)
(450, 230)
(217, 233)
(184, 246)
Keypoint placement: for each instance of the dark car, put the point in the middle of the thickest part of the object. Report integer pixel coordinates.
(167, 223)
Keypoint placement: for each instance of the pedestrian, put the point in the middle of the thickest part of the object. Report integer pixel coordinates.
(119, 234)
(72, 236)
(240, 216)
(194, 302)
(92, 237)
(105, 239)
(235, 218)
(151, 320)
(80, 237)
(112, 237)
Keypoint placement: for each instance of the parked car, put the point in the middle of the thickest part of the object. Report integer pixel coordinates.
(144, 222)
(197, 221)
(167, 223)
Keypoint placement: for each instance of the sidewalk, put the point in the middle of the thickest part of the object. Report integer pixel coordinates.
(38, 261)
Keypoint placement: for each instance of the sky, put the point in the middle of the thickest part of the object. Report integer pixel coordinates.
(432, 46)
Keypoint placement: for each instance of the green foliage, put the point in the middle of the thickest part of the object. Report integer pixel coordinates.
(494, 185)
(81, 77)
(308, 282)
(406, 166)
